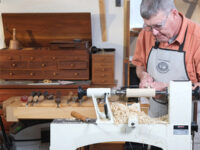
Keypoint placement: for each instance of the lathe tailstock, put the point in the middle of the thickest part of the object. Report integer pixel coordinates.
(176, 134)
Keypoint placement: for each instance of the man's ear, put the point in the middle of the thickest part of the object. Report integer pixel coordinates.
(174, 12)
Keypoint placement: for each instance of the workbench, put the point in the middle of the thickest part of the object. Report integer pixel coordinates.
(14, 109)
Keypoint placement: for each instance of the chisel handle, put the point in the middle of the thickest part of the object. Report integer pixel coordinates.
(35, 99)
(78, 116)
(40, 98)
(30, 98)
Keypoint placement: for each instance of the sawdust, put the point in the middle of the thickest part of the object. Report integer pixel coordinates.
(122, 112)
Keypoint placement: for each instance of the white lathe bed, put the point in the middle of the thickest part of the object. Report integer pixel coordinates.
(66, 135)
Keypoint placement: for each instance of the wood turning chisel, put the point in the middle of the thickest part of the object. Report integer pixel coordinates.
(58, 99)
(82, 117)
(30, 98)
(69, 97)
(35, 98)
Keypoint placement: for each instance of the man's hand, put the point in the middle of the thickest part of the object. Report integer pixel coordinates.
(159, 86)
(195, 85)
(145, 80)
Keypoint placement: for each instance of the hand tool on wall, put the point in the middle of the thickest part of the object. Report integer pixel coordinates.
(82, 117)
(94, 49)
(30, 98)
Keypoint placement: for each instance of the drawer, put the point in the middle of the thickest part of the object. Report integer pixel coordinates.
(72, 65)
(103, 58)
(102, 75)
(42, 65)
(13, 65)
(20, 74)
(34, 57)
(102, 69)
(102, 64)
(68, 74)
(103, 81)
(72, 58)
(36, 74)
(9, 57)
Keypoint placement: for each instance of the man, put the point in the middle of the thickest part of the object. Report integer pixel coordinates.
(168, 48)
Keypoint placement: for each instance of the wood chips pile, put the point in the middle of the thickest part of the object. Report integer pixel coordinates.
(122, 112)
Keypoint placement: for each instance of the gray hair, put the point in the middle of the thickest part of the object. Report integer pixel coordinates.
(149, 8)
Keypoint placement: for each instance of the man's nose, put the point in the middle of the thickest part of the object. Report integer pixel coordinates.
(154, 31)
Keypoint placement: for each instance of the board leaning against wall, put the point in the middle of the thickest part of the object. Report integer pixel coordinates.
(191, 8)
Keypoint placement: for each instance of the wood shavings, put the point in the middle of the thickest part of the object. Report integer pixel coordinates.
(122, 112)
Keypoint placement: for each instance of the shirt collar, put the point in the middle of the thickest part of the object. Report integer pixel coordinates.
(182, 31)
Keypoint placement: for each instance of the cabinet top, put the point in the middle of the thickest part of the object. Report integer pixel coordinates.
(41, 29)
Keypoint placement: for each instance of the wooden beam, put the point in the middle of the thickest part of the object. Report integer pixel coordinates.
(126, 69)
(126, 28)
(102, 13)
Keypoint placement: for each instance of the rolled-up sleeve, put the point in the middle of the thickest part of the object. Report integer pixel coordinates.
(139, 55)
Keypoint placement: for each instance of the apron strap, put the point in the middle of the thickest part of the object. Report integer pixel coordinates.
(157, 43)
(182, 45)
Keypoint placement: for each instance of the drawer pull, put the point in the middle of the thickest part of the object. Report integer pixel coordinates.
(53, 58)
(54, 73)
(11, 74)
(31, 74)
(76, 74)
(103, 75)
(43, 65)
(14, 65)
(103, 69)
(10, 58)
(32, 58)
(72, 65)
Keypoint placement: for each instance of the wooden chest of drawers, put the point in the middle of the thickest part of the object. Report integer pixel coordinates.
(44, 64)
(103, 68)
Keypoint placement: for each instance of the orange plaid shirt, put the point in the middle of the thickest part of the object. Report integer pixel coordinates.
(146, 41)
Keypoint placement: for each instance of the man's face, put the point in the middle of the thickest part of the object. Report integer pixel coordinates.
(159, 26)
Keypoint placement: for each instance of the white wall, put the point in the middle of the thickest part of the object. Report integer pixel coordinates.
(114, 21)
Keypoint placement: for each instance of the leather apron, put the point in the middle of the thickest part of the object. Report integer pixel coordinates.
(165, 65)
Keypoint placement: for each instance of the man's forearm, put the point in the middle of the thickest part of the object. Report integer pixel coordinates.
(139, 71)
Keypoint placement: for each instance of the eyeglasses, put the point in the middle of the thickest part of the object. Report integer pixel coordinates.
(157, 27)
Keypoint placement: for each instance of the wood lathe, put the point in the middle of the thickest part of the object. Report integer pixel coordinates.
(175, 134)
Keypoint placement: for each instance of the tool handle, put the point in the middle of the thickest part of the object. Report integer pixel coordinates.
(41, 98)
(14, 34)
(106, 110)
(35, 98)
(24, 98)
(78, 116)
(30, 98)
(69, 97)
